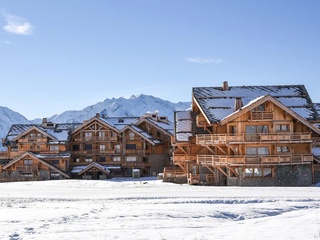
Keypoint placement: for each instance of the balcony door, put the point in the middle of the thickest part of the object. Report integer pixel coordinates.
(253, 132)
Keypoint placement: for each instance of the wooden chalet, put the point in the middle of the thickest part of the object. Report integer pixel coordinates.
(246, 136)
(99, 148)
(36, 152)
(120, 144)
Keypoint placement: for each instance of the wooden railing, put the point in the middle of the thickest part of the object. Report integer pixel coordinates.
(183, 157)
(219, 160)
(136, 164)
(92, 139)
(209, 139)
(32, 139)
(27, 168)
(261, 115)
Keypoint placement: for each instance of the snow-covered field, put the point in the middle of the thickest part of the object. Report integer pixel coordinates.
(150, 209)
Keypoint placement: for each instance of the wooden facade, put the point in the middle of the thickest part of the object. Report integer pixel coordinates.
(99, 148)
(261, 143)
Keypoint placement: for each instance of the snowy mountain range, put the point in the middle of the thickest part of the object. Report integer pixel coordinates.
(115, 107)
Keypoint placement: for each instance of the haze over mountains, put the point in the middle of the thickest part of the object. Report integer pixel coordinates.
(115, 107)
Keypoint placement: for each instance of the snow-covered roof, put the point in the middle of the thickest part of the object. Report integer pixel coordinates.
(183, 126)
(218, 103)
(166, 126)
(120, 122)
(60, 131)
(145, 134)
(78, 169)
(316, 151)
(52, 155)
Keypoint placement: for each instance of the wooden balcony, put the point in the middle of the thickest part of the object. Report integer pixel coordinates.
(32, 140)
(218, 139)
(136, 164)
(220, 160)
(177, 158)
(27, 168)
(261, 116)
(96, 139)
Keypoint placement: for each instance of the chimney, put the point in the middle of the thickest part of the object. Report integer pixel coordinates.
(97, 115)
(225, 86)
(238, 104)
(44, 120)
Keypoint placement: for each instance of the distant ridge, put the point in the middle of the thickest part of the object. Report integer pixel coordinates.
(115, 107)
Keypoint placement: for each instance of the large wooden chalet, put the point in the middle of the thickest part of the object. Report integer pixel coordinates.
(98, 148)
(246, 136)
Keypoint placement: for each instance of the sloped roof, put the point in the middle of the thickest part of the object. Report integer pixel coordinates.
(60, 131)
(185, 126)
(84, 168)
(258, 101)
(217, 103)
(120, 122)
(33, 156)
(143, 134)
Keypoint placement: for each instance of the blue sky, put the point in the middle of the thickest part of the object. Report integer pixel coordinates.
(66, 55)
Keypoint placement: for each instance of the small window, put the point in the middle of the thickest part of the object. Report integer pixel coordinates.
(131, 146)
(102, 148)
(75, 147)
(14, 149)
(76, 160)
(102, 159)
(116, 159)
(282, 149)
(27, 162)
(102, 135)
(158, 134)
(55, 162)
(261, 108)
(88, 146)
(88, 135)
(131, 136)
(54, 148)
(282, 128)
(88, 160)
(117, 148)
(258, 172)
(131, 159)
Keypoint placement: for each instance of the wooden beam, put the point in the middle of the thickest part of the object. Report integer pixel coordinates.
(224, 173)
(208, 147)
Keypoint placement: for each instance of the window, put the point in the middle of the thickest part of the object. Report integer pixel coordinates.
(257, 150)
(102, 135)
(117, 148)
(131, 158)
(117, 159)
(75, 147)
(39, 135)
(55, 162)
(27, 162)
(88, 160)
(261, 108)
(27, 175)
(158, 134)
(102, 148)
(102, 159)
(88, 146)
(14, 149)
(54, 148)
(282, 128)
(282, 149)
(258, 172)
(76, 160)
(131, 136)
(131, 146)
(232, 129)
(88, 135)
(253, 131)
